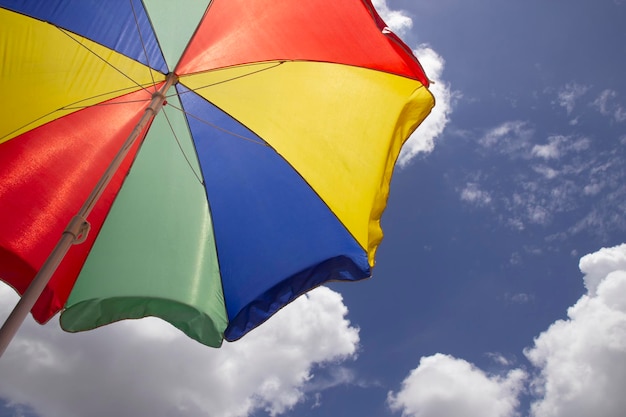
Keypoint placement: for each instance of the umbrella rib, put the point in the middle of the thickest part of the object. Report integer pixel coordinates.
(68, 34)
(143, 45)
(277, 64)
(206, 122)
(213, 125)
(74, 106)
(181, 147)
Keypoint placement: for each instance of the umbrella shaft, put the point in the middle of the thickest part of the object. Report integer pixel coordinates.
(78, 227)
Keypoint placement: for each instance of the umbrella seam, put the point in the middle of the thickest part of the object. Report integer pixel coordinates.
(280, 61)
(143, 45)
(180, 147)
(276, 64)
(72, 106)
(68, 34)
(213, 125)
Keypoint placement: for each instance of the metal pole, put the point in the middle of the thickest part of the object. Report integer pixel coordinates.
(77, 229)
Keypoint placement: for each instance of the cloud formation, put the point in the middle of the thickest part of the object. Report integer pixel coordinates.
(509, 137)
(397, 20)
(582, 360)
(473, 194)
(422, 141)
(147, 367)
(579, 363)
(597, 266)
(569, 94)
(549, 177)
(446, 386)
(607, 105)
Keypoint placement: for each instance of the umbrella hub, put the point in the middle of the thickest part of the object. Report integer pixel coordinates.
(158, 97)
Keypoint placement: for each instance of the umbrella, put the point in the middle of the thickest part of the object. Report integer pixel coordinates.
(202, 162)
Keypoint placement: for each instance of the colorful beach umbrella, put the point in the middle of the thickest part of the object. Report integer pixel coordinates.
(204, 162)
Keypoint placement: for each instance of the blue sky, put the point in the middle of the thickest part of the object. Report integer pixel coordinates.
(499, 287)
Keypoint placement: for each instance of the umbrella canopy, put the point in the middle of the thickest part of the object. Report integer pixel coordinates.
(264, 175)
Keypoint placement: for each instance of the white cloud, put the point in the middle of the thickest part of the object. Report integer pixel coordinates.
(546, 171)
(516, 259)
(538, 214)
(511, 138)
(519, 298)
(397, 20)
(560, 145)
(446, 386)
(598, 265)
(605, 103)
(579, 144)
(582, 360)
(473, 194)
(423, 139)
(602, 103)
(515, 223)
(550, 150)
(568, 95)
(497, 133)
(499, 358)
(549, 178)
(515, 139)
(165, 373)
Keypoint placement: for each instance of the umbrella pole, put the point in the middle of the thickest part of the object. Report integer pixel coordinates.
(78, 227)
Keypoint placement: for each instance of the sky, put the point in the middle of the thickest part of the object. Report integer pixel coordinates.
(499, 286)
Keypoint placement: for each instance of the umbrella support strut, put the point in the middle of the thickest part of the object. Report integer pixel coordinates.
(77, 229)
